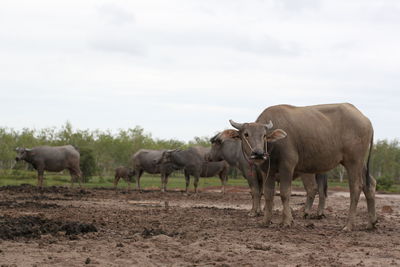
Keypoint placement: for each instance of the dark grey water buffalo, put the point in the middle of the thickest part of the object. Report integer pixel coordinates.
(227, 145)
(53, 159)
(193, 162)
(146, 160)
(314, 139)
(125, 173)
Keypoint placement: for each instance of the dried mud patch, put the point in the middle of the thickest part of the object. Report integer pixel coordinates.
(175, 229)
(33, 227)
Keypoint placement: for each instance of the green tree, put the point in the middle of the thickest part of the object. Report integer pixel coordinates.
(87, 163)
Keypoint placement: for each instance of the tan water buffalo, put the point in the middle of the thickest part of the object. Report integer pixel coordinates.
(124, 173)
(311, 139)
(53, 159)
(227, 146)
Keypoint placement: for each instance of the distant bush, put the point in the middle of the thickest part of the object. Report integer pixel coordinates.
(384, 183)
(87, 164)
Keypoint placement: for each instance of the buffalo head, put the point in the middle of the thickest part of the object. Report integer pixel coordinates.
(22, 153)
(217, 144)
(255, 137)
(165, 157)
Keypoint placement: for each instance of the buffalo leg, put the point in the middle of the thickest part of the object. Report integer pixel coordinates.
(187, 180)
(80, 179)
(128, 181)
(139, 174)
(196, 183)
(310, 186)
(354, 173)
(75, 175)
(40, 178)
(255, 192)
(162, 188)
(269, 193)
(164, 181)
(369, 193)
(116, 180)
(285, 187)
(223, 179)
(252, 212)
(322, 182)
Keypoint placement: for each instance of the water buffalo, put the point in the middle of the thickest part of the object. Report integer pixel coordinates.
(227, 145)
(192, 160)
(149, 161)
(125, 173)
(53, 159)
(314, 139)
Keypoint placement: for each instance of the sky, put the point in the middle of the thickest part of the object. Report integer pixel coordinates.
(181, 69)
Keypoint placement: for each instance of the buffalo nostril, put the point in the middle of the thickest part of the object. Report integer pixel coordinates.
(257, 155)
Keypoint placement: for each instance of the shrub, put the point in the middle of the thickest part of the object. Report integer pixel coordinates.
(384, 183)
(87, 164)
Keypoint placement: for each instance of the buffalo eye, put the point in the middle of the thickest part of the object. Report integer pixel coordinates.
(246, 135)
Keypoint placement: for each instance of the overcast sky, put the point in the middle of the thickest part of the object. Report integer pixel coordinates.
(181, 69)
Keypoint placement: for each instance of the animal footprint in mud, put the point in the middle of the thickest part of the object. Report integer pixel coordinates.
(387, 209)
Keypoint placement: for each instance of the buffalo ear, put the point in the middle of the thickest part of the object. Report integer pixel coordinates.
(215, 138)
(234, 134)
(276, 135)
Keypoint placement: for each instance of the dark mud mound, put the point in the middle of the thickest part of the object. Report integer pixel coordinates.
(28, 188)
(149, 232)
(34, 227)
(75, 228)
(28, 204)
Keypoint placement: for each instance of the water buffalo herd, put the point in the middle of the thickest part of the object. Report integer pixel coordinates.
(285, 142)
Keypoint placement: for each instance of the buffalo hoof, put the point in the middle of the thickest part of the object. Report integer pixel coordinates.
(372, 225)
(348, 228)
(286, 224)
(266, 223)
(253, 214)
(320, 216)
(306, 216)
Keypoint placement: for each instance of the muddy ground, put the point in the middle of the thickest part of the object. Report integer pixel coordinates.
(59, 226)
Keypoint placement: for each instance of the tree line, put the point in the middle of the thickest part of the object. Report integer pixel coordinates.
(102, 151)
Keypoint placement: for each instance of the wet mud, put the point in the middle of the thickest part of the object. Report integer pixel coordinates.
(62, 226)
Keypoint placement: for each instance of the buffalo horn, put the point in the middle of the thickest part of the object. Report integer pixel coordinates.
(269, 125)
(236, 125)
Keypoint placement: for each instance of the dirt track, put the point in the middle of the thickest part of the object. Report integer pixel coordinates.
(71, 227)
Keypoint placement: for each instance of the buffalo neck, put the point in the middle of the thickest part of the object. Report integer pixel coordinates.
(233, 153)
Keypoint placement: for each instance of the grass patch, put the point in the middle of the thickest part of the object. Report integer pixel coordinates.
(175, 181)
